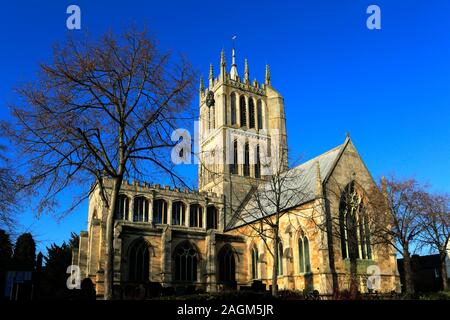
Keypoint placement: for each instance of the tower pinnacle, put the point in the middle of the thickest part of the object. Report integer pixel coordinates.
(246, 73)
(233, 72)
(222, 58)
(202, 85)
(211, 76)
(267, 80)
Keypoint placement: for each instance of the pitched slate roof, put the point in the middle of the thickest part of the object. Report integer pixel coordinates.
(298, 187)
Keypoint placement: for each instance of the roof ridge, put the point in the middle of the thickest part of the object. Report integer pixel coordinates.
(319, 156)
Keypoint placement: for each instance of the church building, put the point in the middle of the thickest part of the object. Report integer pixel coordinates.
(207, 239)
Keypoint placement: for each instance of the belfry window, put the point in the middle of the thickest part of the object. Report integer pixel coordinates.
(257, 163)
(195, 216)
(139, 261)
(234, 164)
(246, 160)
(233, 108)
(122, 207)
(186, 260)
(251, 113)
(140, 210)
(160, 211)
(259, 114)
(178, 213)
(243, 111)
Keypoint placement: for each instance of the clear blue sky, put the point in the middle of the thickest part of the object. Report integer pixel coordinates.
(389, 88)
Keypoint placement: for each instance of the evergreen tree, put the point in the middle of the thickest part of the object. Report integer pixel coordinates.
(24, 257)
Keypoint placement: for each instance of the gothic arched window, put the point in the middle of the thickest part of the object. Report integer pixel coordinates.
(257, 163)
(251, 113)
(227, 264)
(139, 261)
(140, 210)
(303, 255)
(211, 218)
(160, 211)
(354, 227)
(196, 216)
(280, 258)
(260, 114)
(243, 111)
(178, 213)
(233, 108)
(122, 207)
(254, 263)
(234, 161)
(186, 260)
(246, 160)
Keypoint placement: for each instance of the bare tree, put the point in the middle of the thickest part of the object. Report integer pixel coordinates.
(8, 192)
(264, 206)
(102, 111)
(403, 200)
(435, 218)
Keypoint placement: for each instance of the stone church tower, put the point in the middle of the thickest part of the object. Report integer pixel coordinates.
(242, 133)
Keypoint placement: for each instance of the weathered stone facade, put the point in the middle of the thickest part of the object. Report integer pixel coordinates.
(179, 237)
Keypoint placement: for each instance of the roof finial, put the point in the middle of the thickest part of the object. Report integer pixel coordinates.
(246, 73)
(347, 135)
(267, 80)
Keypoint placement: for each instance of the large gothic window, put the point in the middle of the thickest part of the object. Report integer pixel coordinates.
(227, 264)
(254, 263)
(160, 211)
(211, 218)
(196, 216)
(139, 261)
(243, 111)
(178, 213)
(186, 260)
(122, 207)
(233, 108)
(140, 210)
(260, 114)
(251, 113)
(280, 259)
(354, 227)
(246, 160)
(303, 255)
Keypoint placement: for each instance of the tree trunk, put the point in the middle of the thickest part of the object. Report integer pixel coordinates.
(109, 264)
(444, 271)
(409, 284)
(275, 269)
